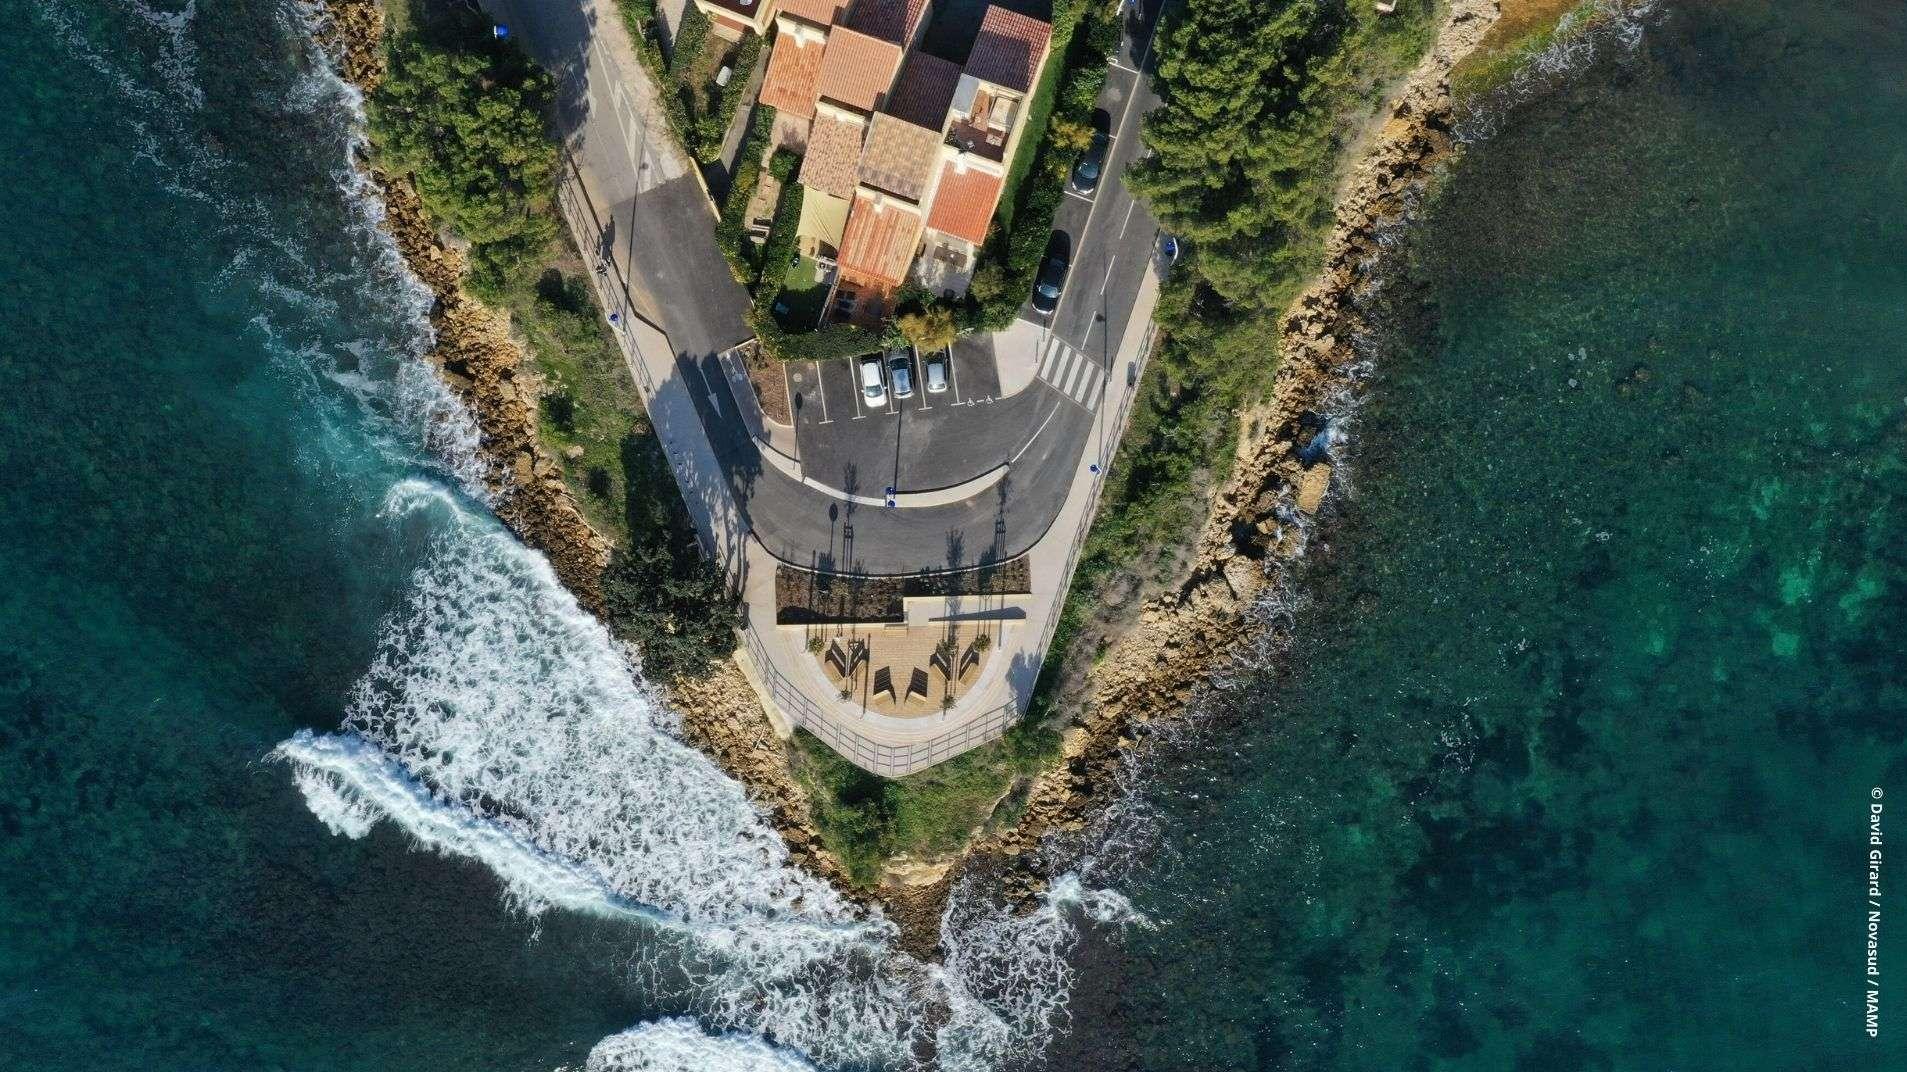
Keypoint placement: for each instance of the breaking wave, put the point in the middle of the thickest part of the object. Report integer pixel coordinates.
(498, 721)
(678, 1045)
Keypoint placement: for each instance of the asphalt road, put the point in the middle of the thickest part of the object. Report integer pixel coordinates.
(659, 231)
(1113, 234)
(657, 223)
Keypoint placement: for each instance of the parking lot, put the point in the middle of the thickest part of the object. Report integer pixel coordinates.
(921, 443)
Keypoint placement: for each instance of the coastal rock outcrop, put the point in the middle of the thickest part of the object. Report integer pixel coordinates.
(1254, 526)
(487, 368)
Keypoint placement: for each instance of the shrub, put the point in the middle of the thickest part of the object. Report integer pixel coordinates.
(930, 329)
(827, 344)
(782, 165)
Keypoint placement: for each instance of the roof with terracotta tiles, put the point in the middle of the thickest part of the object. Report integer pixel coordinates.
(900, 157)
(964, 202)
(880, 239)
(833, 159)
(1009, 49)
(819, 12)
(858, 70)
(890, 20)
(924, 91)
(794, 76)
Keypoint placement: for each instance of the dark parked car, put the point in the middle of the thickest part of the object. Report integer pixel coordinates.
(1051, 282)
(900, 372)
(1091, 163)
(1053, 269)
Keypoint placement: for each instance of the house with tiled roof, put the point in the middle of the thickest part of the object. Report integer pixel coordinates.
(883, 231)
(988, 112)
(965, 197)
(905, 154)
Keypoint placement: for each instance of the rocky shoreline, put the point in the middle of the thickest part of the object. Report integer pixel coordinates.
(1159, 664)
(1249, 537)
(488, 370)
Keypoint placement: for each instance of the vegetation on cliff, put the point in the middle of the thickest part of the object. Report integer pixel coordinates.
(1262, 98)
(464, 115)
(865, 819)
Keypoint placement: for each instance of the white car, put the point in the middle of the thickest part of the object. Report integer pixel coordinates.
(873, 390)
(936, 365)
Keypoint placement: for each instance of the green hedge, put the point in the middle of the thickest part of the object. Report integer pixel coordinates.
(780, 247)
(827, 344)
(1027, 207)
(730, 228)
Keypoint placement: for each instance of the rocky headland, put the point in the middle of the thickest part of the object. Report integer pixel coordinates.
(1256, 525)
(1158, 665)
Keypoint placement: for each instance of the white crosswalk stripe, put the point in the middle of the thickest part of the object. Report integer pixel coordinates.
(1070, 372)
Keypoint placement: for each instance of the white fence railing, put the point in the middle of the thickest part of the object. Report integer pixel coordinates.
(832, 726)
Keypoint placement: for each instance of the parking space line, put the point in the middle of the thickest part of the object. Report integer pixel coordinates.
(953, 375)
(1070, 192)
(822, 392)
(854, 383)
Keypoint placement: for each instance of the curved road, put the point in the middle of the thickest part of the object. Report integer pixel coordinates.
(658, 230)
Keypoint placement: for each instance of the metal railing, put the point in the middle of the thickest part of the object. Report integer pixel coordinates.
(890, 761)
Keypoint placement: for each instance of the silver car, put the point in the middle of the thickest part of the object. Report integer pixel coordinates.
(936, 374)
(873, 391)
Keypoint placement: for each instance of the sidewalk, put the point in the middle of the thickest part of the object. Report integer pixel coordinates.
(622, 185)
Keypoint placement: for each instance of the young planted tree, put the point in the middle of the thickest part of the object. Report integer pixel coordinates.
(929, 330)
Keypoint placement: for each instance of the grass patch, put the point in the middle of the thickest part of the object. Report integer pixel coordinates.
(802, 296)
(464, 115)
(865, 819)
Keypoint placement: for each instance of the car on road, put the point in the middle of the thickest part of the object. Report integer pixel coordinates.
(936, 372)
(1092, 162)
(873, 391)
(900, 370)
(1052, 280)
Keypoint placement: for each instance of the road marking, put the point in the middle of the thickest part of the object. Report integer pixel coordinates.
(1069, 371)
(1117, 66)
(1035, 435)
(822, 392)
(953, 375)
(1070, 192)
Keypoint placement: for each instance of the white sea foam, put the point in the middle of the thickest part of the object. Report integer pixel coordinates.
(678, 1045)
(1580, 36)
(498, 721)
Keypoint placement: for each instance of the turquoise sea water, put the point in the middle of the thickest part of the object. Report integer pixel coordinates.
(1598, 668)
(202, 418)
(1572, 763)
